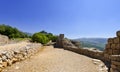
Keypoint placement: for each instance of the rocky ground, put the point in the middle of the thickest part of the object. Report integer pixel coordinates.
(57, 60)
(12, 46)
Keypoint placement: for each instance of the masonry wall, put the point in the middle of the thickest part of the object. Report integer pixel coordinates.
(115, 63)
(9, 57)
(111, 54)
(67, 44)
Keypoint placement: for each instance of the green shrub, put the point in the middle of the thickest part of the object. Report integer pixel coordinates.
(49, 35)
(39, 37)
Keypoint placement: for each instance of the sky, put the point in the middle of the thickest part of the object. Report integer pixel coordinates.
(74, 18)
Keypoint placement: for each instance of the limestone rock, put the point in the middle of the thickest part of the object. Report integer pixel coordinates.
(3, 39)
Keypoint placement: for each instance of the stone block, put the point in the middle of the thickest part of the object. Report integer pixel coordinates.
(115, 52)
(111, 70)
(61, 36)
(4, 64)
(9, 62)
(113, 66)
(117, 46)
(118, 68)
(106, 57)
(14, 60)
(113, 46)
(108, 46)
(110, 52)
(110, 41)
(116, 40)
(118, 33)
(4, 58)
(116, 63)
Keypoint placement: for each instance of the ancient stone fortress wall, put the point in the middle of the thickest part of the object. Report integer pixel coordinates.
(12, 53)
(68, 45)
(111, 54)
(115, 63)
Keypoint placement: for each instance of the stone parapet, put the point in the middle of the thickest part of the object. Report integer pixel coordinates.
(110, 55)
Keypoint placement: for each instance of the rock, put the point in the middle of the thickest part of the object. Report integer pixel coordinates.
(14, 60)
(3, 39)
(4, 58)
(96, 61)
(64, 42)
(76, 43)
(4, 64)
(17, 67)
(11, 55)
(16, 51)
(9, 62)
(4, 52)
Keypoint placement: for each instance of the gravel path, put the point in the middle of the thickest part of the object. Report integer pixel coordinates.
(55, 60)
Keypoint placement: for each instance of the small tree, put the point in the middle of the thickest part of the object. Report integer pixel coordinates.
(50, 36)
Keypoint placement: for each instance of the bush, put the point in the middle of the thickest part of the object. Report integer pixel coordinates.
(41, 38)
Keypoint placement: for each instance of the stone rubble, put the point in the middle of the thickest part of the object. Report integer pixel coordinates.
(13, 55)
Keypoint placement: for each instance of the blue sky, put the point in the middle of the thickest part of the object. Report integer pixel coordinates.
(74, 18)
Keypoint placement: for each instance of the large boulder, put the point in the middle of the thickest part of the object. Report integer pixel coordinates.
(64, 42)
(68, 44)
(3, 39)
(76, 43)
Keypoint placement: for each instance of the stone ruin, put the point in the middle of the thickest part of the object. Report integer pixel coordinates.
(17, 54)
(110, 56)
(112, 53)
(64, 42)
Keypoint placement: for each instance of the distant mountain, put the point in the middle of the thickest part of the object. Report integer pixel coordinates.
(98, 43)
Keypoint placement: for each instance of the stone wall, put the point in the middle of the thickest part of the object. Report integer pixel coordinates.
(112, 53)
(64, 42)
(112, 48)
(3, 39)
(69, 45)
(10, 56)
(115, 63)
(110, 56)
(88, 52)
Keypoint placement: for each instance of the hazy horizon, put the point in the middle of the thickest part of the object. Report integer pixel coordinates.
(74, 18)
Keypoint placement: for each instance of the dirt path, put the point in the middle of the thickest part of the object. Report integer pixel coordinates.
(55, 60)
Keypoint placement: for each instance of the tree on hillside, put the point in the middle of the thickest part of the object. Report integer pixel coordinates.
(39, 37)
(11, 32)
(49, 35)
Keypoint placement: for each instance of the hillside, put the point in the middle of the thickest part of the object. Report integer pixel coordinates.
(98, 43)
